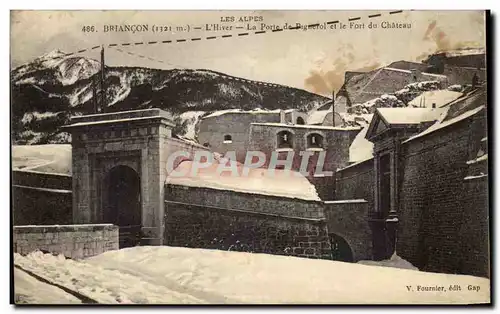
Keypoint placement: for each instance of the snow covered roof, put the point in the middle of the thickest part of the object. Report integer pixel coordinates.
(409, 115)
(444, 123)
(363, 87)
(318, 116)
(306, 126)
(281, 183)
(361, 149)
(439, 97)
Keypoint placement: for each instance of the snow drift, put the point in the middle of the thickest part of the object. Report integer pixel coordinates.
(182, 275)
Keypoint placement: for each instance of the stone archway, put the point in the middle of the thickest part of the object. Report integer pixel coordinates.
(123, 203)
(341, 250)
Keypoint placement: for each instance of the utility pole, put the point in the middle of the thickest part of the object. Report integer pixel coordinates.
(95, 101)
(333, 108)
(103, 84)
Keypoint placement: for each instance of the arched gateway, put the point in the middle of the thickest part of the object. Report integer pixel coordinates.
(119, 170)
(123, 203)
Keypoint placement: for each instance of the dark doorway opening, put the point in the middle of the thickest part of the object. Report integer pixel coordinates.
(124, 204)
(341, 251)
(385, 184)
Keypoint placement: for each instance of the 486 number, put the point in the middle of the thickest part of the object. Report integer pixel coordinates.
(88, 29)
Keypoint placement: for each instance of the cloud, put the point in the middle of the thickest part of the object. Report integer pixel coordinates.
(325, 82)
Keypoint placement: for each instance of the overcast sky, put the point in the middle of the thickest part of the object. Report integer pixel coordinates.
(314, 60)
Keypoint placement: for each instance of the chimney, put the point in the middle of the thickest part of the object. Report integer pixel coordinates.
(333, 108)
(282, 116)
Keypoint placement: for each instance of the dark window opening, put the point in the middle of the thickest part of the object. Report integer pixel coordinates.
(385, 184)
(314, 141)
(206, 145)
(228, 139)
(285, 139)
(300, 120)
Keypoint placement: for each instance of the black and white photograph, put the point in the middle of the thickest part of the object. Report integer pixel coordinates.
(276, 157)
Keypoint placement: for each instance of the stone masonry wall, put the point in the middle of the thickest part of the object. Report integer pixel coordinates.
(282, 206)
(235, 230)
(476, 257)
(349, 219)
(435, 202)
(356, 182)
(41, 198)
(73, 241)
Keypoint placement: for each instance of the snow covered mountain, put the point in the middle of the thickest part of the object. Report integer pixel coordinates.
(51, 88)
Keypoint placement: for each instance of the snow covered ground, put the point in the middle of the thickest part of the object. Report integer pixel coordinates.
(29, 290)
(52, 158)
(183, 275)
(395, 261)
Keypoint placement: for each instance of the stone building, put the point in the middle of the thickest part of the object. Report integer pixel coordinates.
(427, 185)
(362, 87)
(327, 147)
(227, 130)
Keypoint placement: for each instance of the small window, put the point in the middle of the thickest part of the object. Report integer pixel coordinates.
(228, 139)
(314, 141)
(300, 120)
(206, 145)
(285, 139)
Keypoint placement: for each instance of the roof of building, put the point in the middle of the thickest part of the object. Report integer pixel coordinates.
(444, 123)
(439, 97)
(409, 115)
(409, 65)
(282, 183)
(317, 116)
(361, 149)
(366, 86)
(360, 119)
(458, 110)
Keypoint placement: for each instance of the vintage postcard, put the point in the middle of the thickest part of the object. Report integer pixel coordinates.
(250, 157)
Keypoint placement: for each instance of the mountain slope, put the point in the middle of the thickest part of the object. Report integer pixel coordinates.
(47, 91)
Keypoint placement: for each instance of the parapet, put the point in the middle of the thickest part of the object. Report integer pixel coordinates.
(154, 114)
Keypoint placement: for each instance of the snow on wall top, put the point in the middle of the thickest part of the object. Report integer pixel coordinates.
(465, 52)
(282, 183)
(408, 71)
(305, 126)
(409, 115)
(438, 97)
(255, 111)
